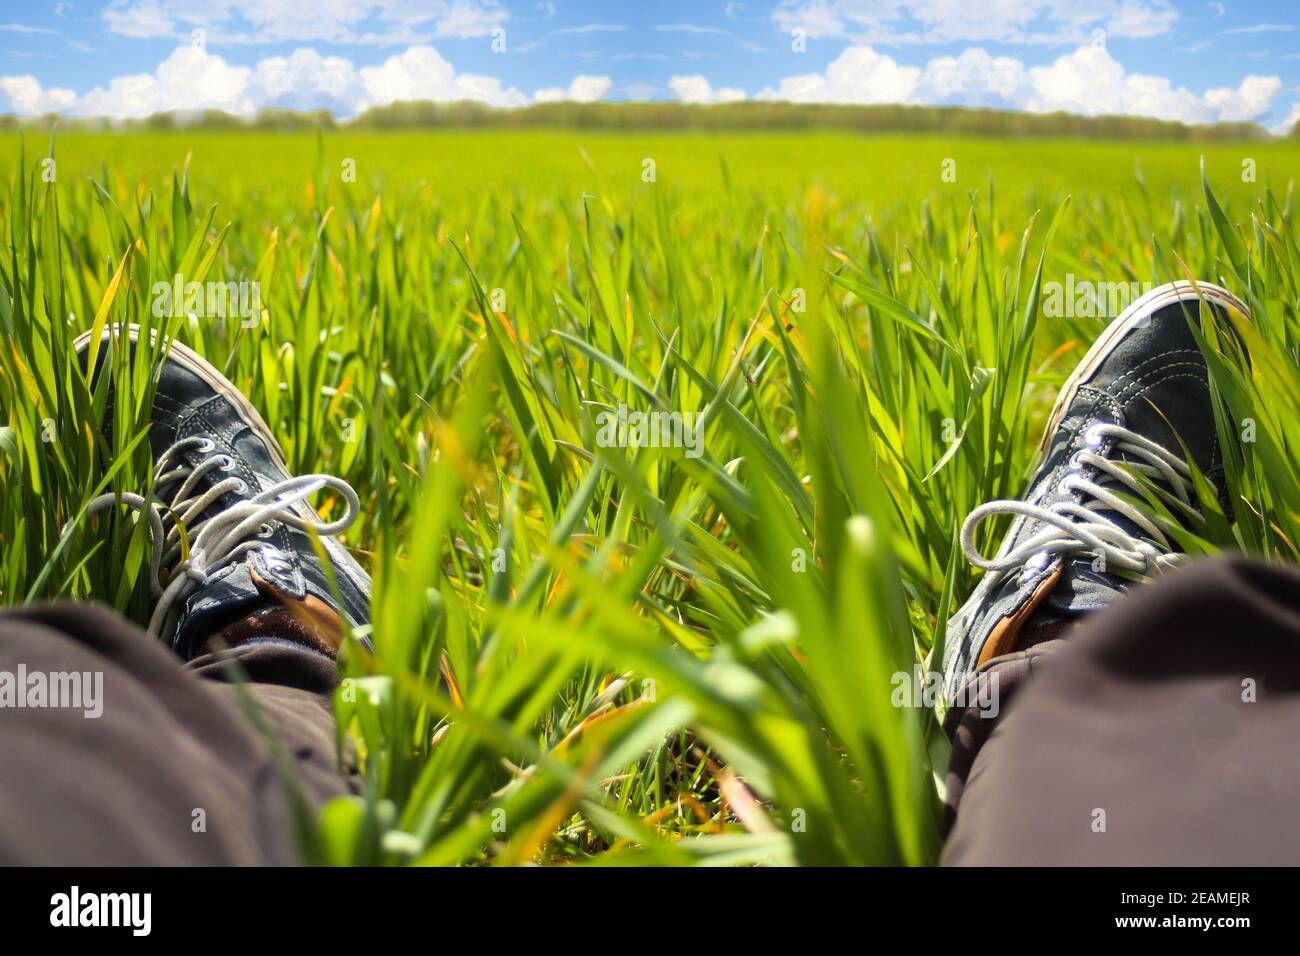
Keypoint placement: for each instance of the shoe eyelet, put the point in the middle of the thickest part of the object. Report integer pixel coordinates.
(227, 463)
(206, 445)
(1075, 463)
(264, 530)
(1091, 437)
(242, 488)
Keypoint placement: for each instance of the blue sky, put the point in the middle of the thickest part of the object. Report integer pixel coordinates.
(1194, 61)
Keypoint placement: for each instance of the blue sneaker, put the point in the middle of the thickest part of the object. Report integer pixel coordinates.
(1139, 397)
(220, 473)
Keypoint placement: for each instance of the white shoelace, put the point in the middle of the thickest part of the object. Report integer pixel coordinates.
(220, 538)
(1080, 528)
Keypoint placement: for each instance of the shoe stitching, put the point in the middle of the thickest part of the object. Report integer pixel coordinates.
(1124, 395)
(1147, 361)
(1169, 378)
(1216, 458)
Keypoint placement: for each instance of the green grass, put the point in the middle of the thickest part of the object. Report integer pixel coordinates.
(602, 655)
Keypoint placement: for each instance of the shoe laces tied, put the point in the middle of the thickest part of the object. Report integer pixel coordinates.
(217, 536)
(1083, 527)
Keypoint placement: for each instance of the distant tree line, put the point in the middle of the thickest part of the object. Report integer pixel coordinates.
(748, 115)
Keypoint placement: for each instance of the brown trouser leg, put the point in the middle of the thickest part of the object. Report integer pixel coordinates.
(171, 771)
(1164, 730)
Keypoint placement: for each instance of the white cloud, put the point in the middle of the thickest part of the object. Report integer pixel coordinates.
(1261, 28)
(1284, 127)
(1088, 81)
(691, 28)
(975, 78)
(697, 89)
(420, 73)
(486, 89)
(1137, 20)
(947, 21)
(583, 89)
(24, 28)
(465, 18)
(145, 18)
(1249, 101)
(954, 21)
(305, 71)
(278, 21)
(28, 99)
(191, 79)
(817, 18)
(858, 75)
(590, 28)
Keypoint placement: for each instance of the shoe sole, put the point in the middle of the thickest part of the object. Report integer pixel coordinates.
(1125, 322)
(209, 373)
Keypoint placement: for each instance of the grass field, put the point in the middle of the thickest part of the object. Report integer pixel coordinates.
(593, 653)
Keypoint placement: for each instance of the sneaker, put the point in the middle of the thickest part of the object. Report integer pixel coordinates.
(220, 474)
(1139, 397)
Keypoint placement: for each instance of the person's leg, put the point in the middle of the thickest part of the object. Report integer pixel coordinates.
(1147, 712)
(155, 764)
(201, 751)
(1160, 732)
(265, 656)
